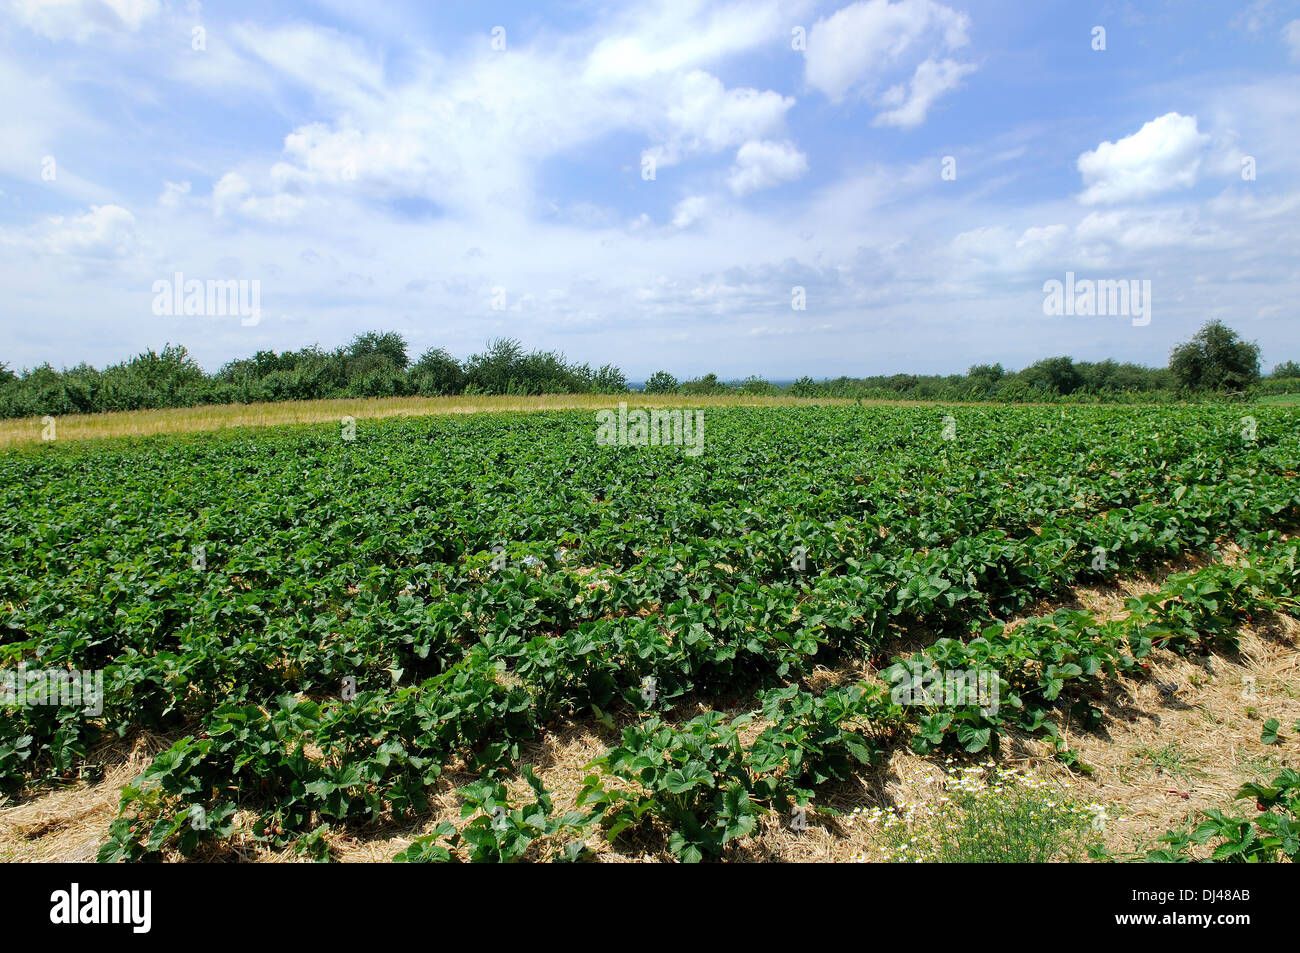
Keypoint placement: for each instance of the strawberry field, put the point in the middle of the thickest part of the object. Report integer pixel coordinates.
(322, 626)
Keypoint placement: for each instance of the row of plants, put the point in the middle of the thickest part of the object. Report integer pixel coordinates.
(698, 782)
(452, 587)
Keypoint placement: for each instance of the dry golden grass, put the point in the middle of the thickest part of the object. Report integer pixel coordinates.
(141, 423)
(70, 824)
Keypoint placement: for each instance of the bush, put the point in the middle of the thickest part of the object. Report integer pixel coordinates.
(807, 387)
(703, 386)
(756, 385)
(437, 373)
(385, 381)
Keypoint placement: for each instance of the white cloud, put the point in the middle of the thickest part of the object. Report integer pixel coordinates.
(418, 171)
(677, 36)
(689, 211)
(932, 79)
(330, 64)
(761, 164)
(850, 51)
(997, 248)
(1166, 153)
(1291, 37)
(705, 116)
(1172, 228)
(470, 134)
(1047, 235)
(80, 19)
(232, 192)
(173, 194)
(106, 231)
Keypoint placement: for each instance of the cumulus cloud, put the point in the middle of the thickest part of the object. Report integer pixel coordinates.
(931, 80)
(689, 211)
(1166, 153)
(106, 231)
(851, 52)
(401, 150)
(233, 193)
(470, 135)
(761, 164)
(705, 116)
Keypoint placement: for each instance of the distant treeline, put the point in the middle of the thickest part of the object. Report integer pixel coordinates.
(376, 364)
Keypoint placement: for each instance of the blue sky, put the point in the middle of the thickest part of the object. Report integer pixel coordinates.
(388, 165)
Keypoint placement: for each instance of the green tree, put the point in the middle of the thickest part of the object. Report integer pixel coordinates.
(807, 387)
(608, 379)
(661, 382)
(983, 379)
(376, 349)
(490, 371)
(1285, 370)
(757, 385)
(708, 384)
(436, 373)
(1053, 373)
(1215, 359)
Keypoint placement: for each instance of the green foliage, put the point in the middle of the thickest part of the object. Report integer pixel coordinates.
(800, 537)
(703, 386)
(1045, 660)
(376, 349)
(607, 379)
(1272, 835)
(692, 779)
(437, 373)
(1271, 733)
(1215, 359)
(375, 364)
(501, 832)
(506, 368)
(1055, 374)
(757, 385)
(661, 382)
(805, 387)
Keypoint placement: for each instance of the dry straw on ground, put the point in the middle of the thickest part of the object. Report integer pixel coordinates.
(1159, 757)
